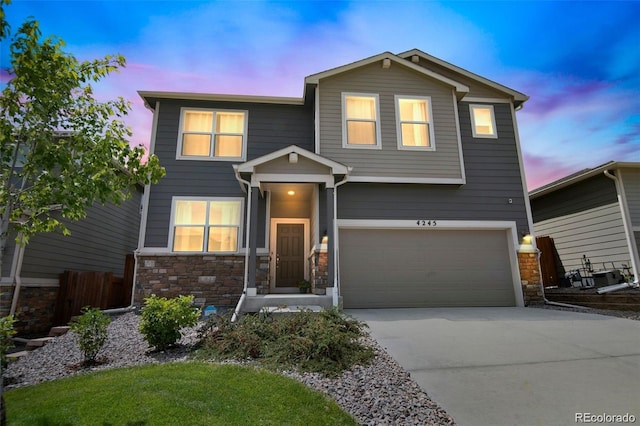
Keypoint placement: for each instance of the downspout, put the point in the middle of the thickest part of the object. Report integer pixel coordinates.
(243, 296)
(336, 281)
(143, 218)
(544, 296)
(131, 306)
(524, 248)
(626, 221)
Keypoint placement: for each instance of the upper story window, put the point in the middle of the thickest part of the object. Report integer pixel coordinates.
(483, 121)
(212, 135)
(414, 123)
(360, 125)
(205, 225)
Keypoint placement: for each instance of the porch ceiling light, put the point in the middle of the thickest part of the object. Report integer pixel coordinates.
(291, 192)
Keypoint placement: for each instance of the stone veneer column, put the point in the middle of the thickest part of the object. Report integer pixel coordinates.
(530, 276)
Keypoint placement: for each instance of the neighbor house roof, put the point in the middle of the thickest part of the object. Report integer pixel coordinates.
(579, 176)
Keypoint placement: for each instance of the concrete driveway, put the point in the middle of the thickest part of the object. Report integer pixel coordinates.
(516, 366)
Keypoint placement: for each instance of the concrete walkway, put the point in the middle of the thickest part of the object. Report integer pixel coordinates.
(516, 366)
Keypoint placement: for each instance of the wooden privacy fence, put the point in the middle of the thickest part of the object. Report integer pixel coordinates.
(549, 260)
(96, 289)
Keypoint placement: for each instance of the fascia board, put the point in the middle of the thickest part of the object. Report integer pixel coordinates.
(146, 95)
(518, 97)
(336, 168)
(315, 78)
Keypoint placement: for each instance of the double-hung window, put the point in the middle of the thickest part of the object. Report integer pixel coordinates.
(206, 225)
(212, 135)
(414, 123)
(360, 125)
(483, 121)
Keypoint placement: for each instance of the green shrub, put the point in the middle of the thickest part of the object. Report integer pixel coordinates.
(327, 342)
(162, 319)
(91, 329)
(6, 333)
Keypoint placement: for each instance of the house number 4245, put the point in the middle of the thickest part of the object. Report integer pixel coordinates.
(427, 223)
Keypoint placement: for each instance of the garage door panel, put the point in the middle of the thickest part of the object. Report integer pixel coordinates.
(424, 268)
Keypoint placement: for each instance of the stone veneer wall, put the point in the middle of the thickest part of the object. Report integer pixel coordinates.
(319, 271)
(35, 310)
(530, 277)
(217, 278)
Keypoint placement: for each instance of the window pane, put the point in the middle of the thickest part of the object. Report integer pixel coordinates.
(199, 145)
(223, 239)
(198, 121)
(415, 134)
(224, 213)
(190, 212)
(413, 109)
(361, 107)
(188, 238)
(361, 133)
(228, 146)
(483, 121)
(230, 122)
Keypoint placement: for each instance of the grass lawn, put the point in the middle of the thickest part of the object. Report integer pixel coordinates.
(191, 393)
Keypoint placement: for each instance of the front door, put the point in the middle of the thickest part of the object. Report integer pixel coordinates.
(289, 254)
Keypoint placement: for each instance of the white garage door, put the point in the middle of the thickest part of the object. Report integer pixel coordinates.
(393, 268)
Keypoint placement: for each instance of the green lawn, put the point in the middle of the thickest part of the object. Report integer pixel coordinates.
(192, 393)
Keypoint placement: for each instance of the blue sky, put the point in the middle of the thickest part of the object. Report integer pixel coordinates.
(578, 61)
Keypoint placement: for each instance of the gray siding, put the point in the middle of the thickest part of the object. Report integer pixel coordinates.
(594, 192)
(476, 89)
(631, 182)
(270, 127)
(597, 233)
(493, 177)
(99, 242)
(444, 162)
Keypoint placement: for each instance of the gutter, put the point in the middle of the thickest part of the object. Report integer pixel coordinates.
(243, 296)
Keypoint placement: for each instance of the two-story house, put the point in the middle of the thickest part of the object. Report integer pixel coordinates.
(395, 181)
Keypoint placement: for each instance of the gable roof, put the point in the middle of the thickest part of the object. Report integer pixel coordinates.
(579, 177)
(336, 168)
(460, 88)
(518, 98)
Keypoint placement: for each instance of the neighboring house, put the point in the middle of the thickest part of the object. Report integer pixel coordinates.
(592, 215)
(100, 242)
(395, 181)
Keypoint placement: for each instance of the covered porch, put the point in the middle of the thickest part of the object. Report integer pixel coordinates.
(297, 189)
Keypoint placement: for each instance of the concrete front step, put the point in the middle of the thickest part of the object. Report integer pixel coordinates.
(290, 301)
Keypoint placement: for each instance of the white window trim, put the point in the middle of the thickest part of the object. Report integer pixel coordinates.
(345, 142)
(432, 138)
(473, 121)
(212, 157)
(172, 225)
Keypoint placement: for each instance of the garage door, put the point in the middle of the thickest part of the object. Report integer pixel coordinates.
(393, 268)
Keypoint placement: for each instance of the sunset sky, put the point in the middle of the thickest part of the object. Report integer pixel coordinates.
(578, 61)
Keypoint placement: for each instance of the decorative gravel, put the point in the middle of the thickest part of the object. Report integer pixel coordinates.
(381, 393)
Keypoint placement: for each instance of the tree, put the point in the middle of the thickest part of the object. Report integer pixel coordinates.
(61, 149)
